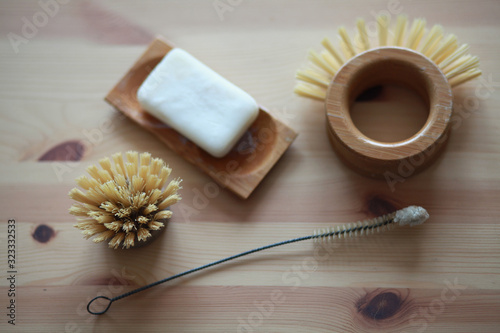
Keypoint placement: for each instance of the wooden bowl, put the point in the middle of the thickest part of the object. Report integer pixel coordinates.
(380, 66)
(239, 171)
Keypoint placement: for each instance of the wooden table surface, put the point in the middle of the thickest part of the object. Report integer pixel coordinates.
(443, 276)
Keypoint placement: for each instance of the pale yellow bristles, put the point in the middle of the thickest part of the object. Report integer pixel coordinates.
(345, 50)
(97, 194)
(105, 176)
(465, 76)
(133, 157)
(330, 60)
(137, 183)
(465, 65)
(310, 91)
(143, 171)
(333, 51)
(431, 40)
(143, 234)
(119, 164)
(116, 240)
(144, 219)
(448, 46)
(109, 192)
(152, 182)
(129, 240)
(120, 180)
(383, 28)
(108, 207)
(156, 165)
(460, 52)
(122, 202)
(106, 165)
(131, 169)
(93, 171)
(150, 208)
(78, 210)
(78, 195)
(399, 31)
(155, 225)
(103, 236)
(445, 52)
(87, 233)
(457, 64)
(173, 186)
(165, 214)
(138, 201)
(313, 77)
(156, 194)
(363, 35)
(320, 62)
(164, 174)
(86, 183)
(169, 201)
(94, 230)
(347, 46)
(416, 34)
(145, 159)
(104, 218)
(89, 224)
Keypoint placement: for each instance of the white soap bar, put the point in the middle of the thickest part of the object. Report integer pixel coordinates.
(197, 102)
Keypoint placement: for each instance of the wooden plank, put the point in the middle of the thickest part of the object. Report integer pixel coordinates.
(54, 122)
(264, 309)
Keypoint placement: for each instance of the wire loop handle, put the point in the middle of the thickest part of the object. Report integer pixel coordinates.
(111, 300)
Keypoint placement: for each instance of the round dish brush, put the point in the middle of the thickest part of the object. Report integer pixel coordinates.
(125, 203)
(453, 59)
(428, 61)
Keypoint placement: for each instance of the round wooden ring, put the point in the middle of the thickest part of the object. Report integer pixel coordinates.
(383, 66)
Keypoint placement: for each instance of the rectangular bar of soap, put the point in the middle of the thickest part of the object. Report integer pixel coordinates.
(197, 102)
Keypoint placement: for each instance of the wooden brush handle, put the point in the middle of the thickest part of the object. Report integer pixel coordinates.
(383, 66)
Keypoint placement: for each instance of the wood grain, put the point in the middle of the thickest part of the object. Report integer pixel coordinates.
(54, 123)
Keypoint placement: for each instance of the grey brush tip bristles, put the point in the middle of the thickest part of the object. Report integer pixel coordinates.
(412, 215)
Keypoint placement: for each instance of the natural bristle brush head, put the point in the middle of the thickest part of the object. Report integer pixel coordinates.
(124, 202)
(428, 62)
(443, 50)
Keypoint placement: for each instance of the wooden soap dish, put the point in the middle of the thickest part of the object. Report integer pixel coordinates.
(243, 168)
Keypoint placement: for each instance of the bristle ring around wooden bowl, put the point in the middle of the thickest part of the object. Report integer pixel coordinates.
(386, 65)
